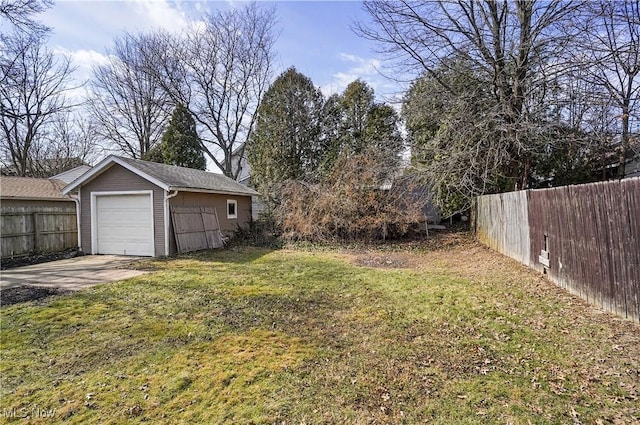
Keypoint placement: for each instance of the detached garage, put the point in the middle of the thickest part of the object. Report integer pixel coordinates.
(128, 207)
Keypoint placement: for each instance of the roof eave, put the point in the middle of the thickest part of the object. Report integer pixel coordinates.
(105, 164)
(216, 191)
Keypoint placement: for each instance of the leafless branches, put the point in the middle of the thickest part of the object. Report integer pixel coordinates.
(610, 50)
(129, 106)
(511, 46)
(20, 13)
(220, 71)
(32, 96)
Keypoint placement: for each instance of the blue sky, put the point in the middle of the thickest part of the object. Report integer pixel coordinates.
(315, 36)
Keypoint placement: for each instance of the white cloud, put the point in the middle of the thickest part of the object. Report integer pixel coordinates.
(159, 14)
(83, 60)
(84, 31)
(365, 66)
(365, 69)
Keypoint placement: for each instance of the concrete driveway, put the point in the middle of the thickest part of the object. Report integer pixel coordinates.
(72, 274)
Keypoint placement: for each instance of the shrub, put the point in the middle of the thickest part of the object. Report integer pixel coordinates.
(359, 200)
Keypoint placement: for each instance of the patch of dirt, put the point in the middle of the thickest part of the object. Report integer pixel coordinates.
(385, 261)
(23, 294)
(412, 254)
(457, 251)
(9, 263)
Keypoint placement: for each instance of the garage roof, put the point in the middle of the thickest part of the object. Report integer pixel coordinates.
(168, 177)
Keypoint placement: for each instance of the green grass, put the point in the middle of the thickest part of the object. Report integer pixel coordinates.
(258, 336)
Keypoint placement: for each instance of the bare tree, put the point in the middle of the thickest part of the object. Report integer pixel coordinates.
(32, 96)
(19, 16)
(20, 13)
(220, 71)
(68, 142)
(611, 53)
(456, 145)
(514, 45)
(129, 106)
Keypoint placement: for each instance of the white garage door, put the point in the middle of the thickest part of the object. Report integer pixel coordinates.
(124, 224)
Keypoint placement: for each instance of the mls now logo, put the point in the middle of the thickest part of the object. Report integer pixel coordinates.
(34, 412)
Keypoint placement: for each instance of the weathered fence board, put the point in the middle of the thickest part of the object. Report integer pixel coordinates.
(29, 230)
(585, 237)
(632, 192)
(502, 224)
(196, 228)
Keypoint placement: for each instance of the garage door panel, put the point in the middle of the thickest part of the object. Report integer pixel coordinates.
(124, 224)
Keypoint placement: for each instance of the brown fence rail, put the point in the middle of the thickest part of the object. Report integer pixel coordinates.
(586, 238)
(25, 231)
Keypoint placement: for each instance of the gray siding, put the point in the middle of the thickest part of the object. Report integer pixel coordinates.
(219, 202)
(117, 179)
(632, 169)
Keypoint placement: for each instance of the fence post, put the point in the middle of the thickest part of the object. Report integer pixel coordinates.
(36, 233)
(473, 216)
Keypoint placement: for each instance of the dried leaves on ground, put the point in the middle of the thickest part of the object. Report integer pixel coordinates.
(403, 333)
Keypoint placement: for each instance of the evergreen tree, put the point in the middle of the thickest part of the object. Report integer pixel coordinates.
(381, 132)
(451, 118)
(355, 123)
(357, 100)
(286, 141)
(332, 116)
(180, 144)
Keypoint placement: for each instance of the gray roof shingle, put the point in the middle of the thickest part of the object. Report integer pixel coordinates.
(72, 174)
(189, 178)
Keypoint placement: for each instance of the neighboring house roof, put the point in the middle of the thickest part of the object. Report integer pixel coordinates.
(244, 175)
(167, 177)
(72, 174)
(29, 188)
(236, 150)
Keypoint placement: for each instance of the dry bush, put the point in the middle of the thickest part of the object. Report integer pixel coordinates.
(355, 202)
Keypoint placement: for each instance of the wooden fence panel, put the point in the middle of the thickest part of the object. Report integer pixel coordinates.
(502, 224)
(188, 229)
(585, 237)
(29, 230)
(212, 228)
(196, 228)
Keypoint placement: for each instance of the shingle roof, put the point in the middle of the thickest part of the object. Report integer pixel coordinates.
(31, 188)
(168, 177)
(189, 178)
(72, 174)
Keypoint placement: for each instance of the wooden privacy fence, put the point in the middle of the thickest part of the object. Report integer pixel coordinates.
(586, 238)
(196, 228)
(29, 230)
(502, 223)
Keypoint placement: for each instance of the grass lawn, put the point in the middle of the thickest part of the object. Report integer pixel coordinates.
(455, 335)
